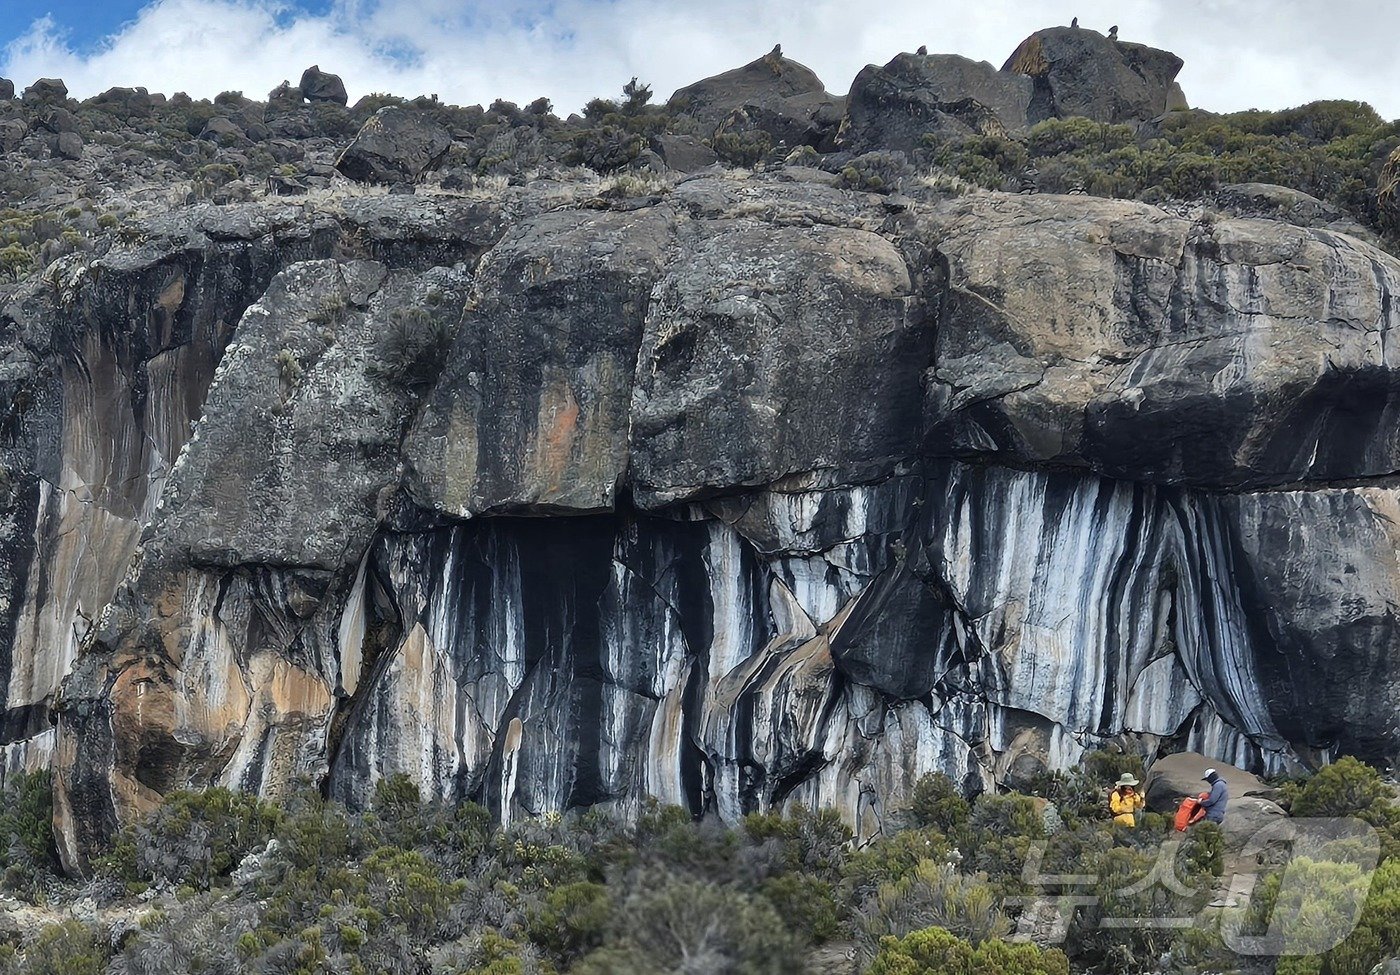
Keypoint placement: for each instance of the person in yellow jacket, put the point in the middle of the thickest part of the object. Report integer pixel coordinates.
(1125, 802)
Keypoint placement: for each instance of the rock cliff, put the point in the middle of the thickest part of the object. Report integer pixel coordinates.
(753, 492)
(734, 490)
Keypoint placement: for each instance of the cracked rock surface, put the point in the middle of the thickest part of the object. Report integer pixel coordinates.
(749, 493)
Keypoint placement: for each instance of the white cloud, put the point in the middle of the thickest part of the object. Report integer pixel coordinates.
(1239, 53)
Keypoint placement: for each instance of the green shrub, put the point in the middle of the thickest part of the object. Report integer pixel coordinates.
(411, 348)
(936, 803)
(405, 888)
(193, 838)
(15, 261)
(986, 161)
(876, 172)
(808, 904)
(809, 841)
(696, 926)
(1105, 766)
(26, 830)
(997, 837)
(616, 131)
(1311, 900)
(1055, 137)
(1349, 787)
(70, 948)
(573, 920)
(216, 174)
(933, 951)
(743, 147)
(933, 895)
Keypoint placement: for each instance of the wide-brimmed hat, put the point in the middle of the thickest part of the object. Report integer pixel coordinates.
(1127, 778)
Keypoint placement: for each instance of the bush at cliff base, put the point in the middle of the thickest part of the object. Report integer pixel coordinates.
(934, 951)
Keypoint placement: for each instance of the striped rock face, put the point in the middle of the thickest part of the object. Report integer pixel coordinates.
(755, 494)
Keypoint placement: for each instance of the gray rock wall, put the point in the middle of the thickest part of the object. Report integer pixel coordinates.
(757, 493)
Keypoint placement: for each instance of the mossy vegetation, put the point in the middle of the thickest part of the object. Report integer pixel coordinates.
(1332, 150)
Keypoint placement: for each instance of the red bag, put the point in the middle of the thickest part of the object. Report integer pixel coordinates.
(1190, 811)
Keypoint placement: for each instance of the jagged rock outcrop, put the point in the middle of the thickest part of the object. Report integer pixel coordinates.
(740, 385)
(918, 100)
(46, 91)
(753, 492)
(684, 154)
(394, 146)
(772, 94)
(322, 86)
(921, 97)
(1082, 72)
(1271, 202)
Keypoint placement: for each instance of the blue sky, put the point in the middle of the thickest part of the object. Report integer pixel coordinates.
(1239, 53)
(87, 22)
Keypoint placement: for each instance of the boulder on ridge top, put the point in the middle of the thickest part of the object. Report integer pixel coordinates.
(47, 91)
(916, 95)
(394, 146)
(1082, 72)
(127, 101)
(322, 86)
(773, 93)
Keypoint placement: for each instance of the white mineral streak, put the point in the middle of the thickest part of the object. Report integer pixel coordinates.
(34, 754)
(1083, 609)
(350, 635)
(664, 745)
(1110, 608)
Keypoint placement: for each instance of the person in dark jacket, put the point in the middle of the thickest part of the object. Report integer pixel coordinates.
(1214, 801)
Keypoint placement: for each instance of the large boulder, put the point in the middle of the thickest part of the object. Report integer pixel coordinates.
(12, 133)
(46, 91)
(1173, 777)
(683, 153)
(1249, 810)
(123, 102)
(7, 89)
(1216, 352)
(57, 120)
(917, 96)
(322, 86)
(395, 145)
(762, 348)
(68, 145)
(1082, 72)
(777, 95)
(264, 481)
(223, 131)
(533, 411)
(1271, 202)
